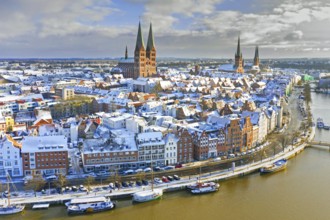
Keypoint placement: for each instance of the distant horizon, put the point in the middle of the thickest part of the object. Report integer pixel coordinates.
(158, 58)
(185, 28)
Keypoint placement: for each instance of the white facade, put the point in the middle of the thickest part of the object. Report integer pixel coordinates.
(170, 149)
(136, 124)
(151, 147)
(263, 127)
(10, 159)
(73, 132)
(115, 121)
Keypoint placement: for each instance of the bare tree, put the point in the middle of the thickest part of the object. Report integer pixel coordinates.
(61, 181)
(283, 140)
(35, 184)
(88, 182)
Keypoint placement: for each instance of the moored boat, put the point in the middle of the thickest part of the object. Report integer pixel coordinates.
(200, 185)
(90, 205)
(276, 166)
(319, 123)
(7, 208)
(148, 195)
(206, 189)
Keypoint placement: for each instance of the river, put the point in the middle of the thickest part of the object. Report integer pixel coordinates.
(300, 192)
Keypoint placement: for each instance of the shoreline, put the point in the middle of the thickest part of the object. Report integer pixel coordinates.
(239, 171)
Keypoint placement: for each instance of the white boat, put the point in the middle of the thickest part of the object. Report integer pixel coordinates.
(90, 205)
(7, 208)
(200, 185)
(207, 189)
(148, 195)
(276, 166)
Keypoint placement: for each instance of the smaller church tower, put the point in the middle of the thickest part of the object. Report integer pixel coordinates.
(239, 62)
(126, 53)
(256, 60)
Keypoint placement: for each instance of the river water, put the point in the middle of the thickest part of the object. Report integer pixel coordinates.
(300, 192)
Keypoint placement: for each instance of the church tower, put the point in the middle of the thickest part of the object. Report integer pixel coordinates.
(239, 62)
(151, 54)
(256, 60)
(139, 56)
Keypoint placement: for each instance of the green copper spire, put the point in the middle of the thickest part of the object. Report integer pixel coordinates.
(139, 39)
(238, 53)
(256, 55)
(150, 44)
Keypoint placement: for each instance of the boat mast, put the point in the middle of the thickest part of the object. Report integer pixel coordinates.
(8, 188)
(152, 175)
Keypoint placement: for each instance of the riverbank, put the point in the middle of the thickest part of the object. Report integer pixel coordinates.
(289, 152)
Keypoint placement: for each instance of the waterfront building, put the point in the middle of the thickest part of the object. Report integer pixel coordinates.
(170, 149)
(10, 157)
(119, 152)
(45, 155)
(151, 147)
(185, 147)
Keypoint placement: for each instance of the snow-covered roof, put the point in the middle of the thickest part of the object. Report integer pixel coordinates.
(44, 143)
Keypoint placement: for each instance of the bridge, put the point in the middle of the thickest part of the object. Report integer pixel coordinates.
(319, 144)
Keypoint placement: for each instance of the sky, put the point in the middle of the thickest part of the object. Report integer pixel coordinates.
(182, 28)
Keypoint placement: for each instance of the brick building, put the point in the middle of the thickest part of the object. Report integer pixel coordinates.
(185, 148)
(45, 155)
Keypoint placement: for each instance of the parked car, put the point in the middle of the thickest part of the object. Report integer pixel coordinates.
(139, 171)
(165, 180)
(170, 178)
(179, 165)
(157, 180)
(231, 156)
(74, 188)
(176, 177)
(117, 184)
(148, 169)
(111, 185)
(138, 183)
(145, 182)
(156, 169)
(124, 184)
(103, 174)
(50, 178)
(82, 188)
(169, 168)
(217, 159)
(128, 172)
(97, 189)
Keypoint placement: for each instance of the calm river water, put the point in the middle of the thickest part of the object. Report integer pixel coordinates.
(300, 192)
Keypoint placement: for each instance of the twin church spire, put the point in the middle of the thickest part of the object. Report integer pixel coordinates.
(239, 61)
(145, 58)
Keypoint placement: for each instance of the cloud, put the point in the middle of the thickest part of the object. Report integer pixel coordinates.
(94, 28)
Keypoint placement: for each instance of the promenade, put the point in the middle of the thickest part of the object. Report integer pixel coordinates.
(288, 153)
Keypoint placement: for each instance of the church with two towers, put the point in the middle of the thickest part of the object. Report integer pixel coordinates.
(144, 62)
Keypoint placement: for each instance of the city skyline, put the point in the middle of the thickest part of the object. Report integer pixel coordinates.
(183, 28)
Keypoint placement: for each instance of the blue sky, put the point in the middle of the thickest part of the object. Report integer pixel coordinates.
(182, 28)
